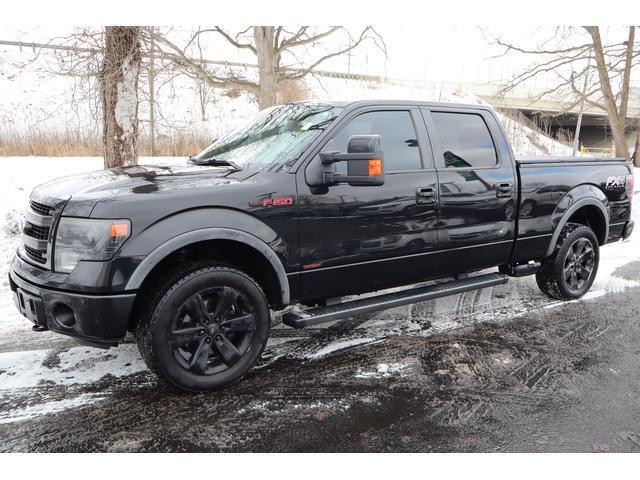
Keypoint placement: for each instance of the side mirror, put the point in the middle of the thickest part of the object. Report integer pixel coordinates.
(365, 162)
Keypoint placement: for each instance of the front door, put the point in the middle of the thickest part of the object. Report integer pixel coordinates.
(357, 239)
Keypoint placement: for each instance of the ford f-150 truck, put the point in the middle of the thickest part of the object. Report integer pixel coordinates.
(307, 204)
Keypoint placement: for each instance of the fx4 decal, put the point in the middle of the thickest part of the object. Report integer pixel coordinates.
(614, 183)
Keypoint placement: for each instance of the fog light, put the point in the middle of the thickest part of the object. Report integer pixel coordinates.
(63, 315)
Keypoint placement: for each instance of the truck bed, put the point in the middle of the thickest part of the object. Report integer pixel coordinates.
(541, 160)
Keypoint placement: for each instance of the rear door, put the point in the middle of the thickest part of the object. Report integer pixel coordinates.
(357, 239)
(477, 188)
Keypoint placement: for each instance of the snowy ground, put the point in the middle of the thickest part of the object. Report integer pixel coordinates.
(33, 363)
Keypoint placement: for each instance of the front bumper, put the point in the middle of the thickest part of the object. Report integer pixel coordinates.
(94, 319)
(628, 230)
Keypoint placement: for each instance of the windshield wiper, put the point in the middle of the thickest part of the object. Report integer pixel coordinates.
(321, 125)
(215, 162)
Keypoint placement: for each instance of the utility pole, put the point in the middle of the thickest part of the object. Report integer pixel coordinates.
(152, 94)
(349, 59)
(576, 138)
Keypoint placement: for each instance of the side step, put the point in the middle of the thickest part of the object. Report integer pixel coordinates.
(530, 268)
(313, 316)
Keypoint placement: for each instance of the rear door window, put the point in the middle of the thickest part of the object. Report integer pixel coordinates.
(465, 141)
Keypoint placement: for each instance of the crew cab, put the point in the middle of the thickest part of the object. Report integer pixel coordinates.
(307, 204)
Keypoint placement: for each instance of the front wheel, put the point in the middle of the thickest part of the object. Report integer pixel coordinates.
(569, 273)
(206, 329)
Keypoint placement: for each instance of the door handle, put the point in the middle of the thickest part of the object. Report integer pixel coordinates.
(426, 196)
(503, 189)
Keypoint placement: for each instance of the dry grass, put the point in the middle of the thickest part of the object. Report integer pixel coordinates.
(292, 91)
(76, 144)
(232, 91)
(288, 91)
(179, 144)
(49, 144)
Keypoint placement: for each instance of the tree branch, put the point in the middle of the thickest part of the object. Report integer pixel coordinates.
(293, 42)
(235, 42)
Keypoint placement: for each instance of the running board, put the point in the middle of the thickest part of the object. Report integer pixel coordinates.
(313, 316)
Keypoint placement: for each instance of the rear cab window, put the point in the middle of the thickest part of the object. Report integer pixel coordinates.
(465, 141)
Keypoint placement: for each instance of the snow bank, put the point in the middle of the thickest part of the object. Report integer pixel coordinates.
(76, 365)
(384, 370)
(48, 408)
(341, 345)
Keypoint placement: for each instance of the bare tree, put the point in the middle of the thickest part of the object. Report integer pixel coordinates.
(203, 90)
(617, 114)
(589, 71)
(119, 94)
(76, 56)
(271, 46)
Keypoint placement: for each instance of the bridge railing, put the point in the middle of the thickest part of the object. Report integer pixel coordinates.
(598, 152)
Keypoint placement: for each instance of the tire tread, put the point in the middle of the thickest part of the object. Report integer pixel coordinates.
(547, 277)
(153, 303)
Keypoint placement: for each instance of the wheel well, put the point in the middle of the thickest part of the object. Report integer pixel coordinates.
(593, 218)
(229, 252)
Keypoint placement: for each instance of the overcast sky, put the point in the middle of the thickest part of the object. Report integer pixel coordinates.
(434, 53)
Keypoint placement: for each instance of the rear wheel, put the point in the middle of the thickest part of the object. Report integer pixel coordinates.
(207, 328)
(571, 270)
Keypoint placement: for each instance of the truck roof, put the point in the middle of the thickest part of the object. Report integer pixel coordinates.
(393, 102)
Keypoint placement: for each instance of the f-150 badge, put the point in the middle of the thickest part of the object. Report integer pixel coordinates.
(614, 183)
(273, 202)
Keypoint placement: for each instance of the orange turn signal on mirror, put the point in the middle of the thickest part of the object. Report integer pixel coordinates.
(119, 230)
(375, 168)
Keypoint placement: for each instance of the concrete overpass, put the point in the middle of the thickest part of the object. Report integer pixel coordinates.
(559, 110)
(553, 112)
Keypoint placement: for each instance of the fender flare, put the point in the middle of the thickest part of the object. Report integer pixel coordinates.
(203, 234)
(583, 202)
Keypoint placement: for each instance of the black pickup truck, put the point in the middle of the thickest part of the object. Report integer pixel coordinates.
(308, 203)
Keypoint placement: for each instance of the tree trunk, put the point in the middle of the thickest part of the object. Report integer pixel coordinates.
(617, 123)
(636, 150)
(119, 93)
(268, 60)
(626, 77)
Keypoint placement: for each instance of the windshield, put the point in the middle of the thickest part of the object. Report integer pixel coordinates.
(276, 137)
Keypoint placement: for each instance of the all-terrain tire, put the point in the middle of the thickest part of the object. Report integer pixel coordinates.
(163, 304)
(552, 276)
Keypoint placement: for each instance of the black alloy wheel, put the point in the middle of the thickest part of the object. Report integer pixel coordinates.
(212, 330)
(205, 327)
(571, 270)
(579, 264)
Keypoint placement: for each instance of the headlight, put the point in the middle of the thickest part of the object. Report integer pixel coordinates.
(88, 239)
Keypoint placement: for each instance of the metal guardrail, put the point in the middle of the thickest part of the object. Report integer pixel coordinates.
(599, 152)
(222, 63)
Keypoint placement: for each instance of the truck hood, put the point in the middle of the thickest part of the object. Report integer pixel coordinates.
(81, 192)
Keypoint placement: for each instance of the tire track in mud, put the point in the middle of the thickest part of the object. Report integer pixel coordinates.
(452, 387)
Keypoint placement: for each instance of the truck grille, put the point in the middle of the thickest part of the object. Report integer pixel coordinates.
(34, 254)
(36, 233)
(41, 209)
